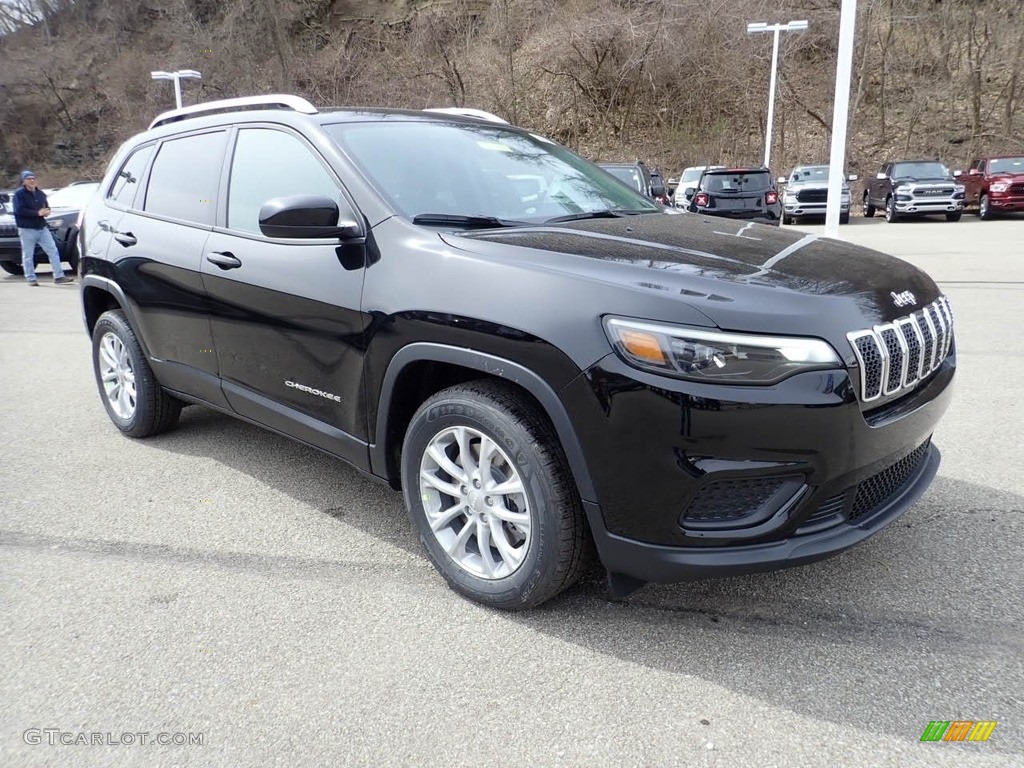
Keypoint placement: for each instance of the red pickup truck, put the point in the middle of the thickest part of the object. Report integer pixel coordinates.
(995, 185)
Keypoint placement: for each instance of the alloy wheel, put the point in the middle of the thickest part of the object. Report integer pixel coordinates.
(117, 375)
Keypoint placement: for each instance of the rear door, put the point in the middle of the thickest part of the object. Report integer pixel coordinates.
(287, 324)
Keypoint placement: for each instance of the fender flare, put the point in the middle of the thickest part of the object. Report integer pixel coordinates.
(109, 286)
(492, 366)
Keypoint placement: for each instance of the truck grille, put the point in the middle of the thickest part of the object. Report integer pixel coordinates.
(932, 191)
(8, 230)
(812, 195)
(897, 355)
(1016, 189)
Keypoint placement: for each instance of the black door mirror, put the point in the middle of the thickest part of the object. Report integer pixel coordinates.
(307, 216)
(4, 198)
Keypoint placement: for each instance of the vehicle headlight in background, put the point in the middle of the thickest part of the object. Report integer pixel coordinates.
(958, 188)
(1000, 186)
(903, 189)
(716, 356)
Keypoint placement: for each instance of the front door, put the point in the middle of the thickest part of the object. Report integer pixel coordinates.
(285, 314)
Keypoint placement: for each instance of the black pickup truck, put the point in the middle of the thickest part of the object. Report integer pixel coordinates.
(914, 188)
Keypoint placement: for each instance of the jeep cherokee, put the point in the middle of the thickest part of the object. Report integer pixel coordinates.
(543, 375)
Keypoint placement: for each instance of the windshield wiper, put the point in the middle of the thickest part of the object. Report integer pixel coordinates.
(457, 220)
(610, 213)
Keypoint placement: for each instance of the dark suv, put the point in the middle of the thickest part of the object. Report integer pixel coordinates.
(544, 375)
(648, 182)
(738, 193)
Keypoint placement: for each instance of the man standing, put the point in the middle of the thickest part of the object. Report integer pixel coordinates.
(30, 211)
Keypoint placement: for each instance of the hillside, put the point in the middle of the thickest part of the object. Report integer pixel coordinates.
(673, 83)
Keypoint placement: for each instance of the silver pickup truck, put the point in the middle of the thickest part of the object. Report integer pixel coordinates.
(806, 194)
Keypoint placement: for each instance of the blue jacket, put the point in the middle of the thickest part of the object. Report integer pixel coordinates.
(27, 206)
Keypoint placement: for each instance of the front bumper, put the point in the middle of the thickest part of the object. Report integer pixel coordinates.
(811, 209)
(691, 485)
(925, 206)
(1004, 202)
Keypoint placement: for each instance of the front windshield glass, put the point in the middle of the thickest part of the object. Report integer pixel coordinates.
(810, 173)
(691, 174)
(736, 181)
(1006, 165)
(920, 171)
(73, 197)
(465, 169)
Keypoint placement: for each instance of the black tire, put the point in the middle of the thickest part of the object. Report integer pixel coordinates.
(891, 215)
(984, 211)
(954, 216)
(788, 219)
(869, 209)
(72, 259)
(844, 218)
(154, 410)
(557, 544)
(12, 268)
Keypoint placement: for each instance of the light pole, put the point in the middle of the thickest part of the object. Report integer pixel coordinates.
(792, 26)
(177, 77)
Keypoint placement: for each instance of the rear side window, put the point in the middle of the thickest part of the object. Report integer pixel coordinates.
(183, 182)
(126, 184)
(269, 164)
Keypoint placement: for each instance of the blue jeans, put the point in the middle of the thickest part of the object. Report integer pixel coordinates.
(30, 238)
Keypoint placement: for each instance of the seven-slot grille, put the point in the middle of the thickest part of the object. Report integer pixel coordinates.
(897, 355)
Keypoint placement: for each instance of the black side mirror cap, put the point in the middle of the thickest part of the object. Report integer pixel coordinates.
(307, 216)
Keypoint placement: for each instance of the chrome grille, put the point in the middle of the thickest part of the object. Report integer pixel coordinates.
(897, 355)
(932, 191)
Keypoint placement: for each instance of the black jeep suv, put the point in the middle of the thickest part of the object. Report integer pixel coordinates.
(738, 193)
(542, 374)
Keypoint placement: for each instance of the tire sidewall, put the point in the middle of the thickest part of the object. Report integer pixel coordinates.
(890, 211)
(113, 323)
(541, 560)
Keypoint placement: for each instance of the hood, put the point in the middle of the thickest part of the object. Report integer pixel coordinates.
(925, 179)
(742, 276)
(812, 185)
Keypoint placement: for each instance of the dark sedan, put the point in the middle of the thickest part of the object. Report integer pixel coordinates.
(66, 204)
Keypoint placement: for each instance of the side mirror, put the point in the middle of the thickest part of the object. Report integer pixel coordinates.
(852, 177)
(974, 172)
(689, 193)
(780, 180)
(881, 176)
(4, 198)
(307, 216)
(957, 174)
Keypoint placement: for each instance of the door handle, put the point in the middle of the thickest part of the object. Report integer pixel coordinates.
(224, 259)
(125, 238)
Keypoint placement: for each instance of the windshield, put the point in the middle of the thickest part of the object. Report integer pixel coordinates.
(73, 197)
(809, 173)
(465, 169)
(1006, 165)
(736, 181)
(691, 174)
(629, 175)
(920, 171)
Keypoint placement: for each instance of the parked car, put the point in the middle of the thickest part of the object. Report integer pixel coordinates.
(692, 397)
(914, 188)
(738, 193)
(66, 203)
(806, 194)
(995, 185)
(648, 182)
(687, 183)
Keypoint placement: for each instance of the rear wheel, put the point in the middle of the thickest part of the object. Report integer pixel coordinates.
(984, 212)
(869, 209)
(134, 399)
(890, 211)
(12, 268)
(490, 494)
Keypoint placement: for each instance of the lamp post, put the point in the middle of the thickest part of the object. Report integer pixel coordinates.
(792, 26)
(177, 77)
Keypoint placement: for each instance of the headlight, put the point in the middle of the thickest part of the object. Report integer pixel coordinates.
(715, 356)
(791, 196)
(1000, 186)
(957, 188)
(55, 223)
(904, 189)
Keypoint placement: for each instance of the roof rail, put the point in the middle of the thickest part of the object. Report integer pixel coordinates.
(270, 101)
(479, 114)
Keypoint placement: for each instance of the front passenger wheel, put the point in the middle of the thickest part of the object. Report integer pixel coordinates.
(984, 212)
(489, 492)
(12, 268)
(134, 399)
(890, 211)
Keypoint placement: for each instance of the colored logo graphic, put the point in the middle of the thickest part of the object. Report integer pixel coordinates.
(958, 730)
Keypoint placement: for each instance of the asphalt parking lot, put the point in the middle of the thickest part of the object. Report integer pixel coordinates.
(222, 581)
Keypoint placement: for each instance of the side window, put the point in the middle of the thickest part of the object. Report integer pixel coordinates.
(183, 182)
(269, 164)
(126, 183)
